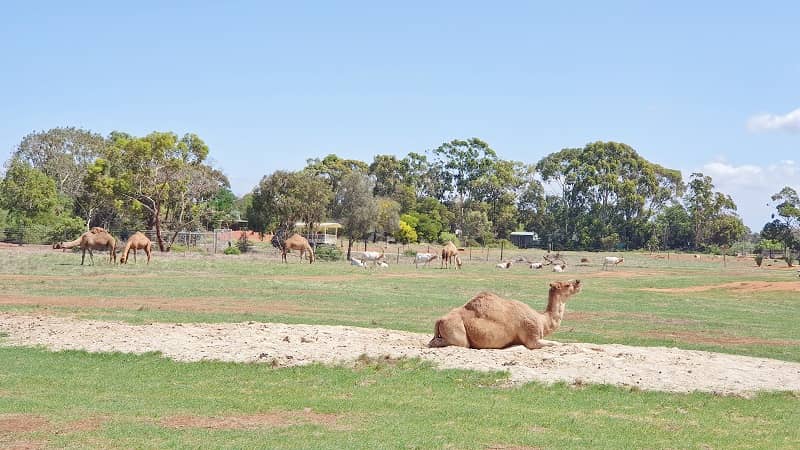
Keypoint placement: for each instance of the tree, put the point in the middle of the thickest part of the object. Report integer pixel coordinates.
(388, 217)
(787, 204)
(283, 198)
(705, 206)
(62, 154)
(27, 192)
(31, 198)
(65, 155)
(606, 188)
(155, 174)
(674, 227)
(333, 169)
(355, 207)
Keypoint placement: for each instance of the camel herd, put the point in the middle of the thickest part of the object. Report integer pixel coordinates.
(98, 238)
(487, 321)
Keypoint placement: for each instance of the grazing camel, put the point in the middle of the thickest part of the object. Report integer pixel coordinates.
(138, 241)
(489, 321)
(297, 242)
(94, 239)
(450, 255)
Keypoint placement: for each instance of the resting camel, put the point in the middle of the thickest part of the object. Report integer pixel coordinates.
(138, 241)
(489, 321)
(94, 239)
(450, 255)
(297, 242)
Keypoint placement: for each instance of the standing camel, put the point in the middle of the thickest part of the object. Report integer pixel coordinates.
(297, 242)
(450, 255)
(94, 239)
(138, 241)
(489, 321)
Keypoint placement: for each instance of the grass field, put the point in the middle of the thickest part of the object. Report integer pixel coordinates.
(76, 399)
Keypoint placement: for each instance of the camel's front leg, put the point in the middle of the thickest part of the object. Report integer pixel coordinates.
(547, 343)
(91, 257)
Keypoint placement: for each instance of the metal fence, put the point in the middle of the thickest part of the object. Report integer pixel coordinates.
(203, 241)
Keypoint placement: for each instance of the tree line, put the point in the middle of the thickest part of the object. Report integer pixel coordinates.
(600, 196)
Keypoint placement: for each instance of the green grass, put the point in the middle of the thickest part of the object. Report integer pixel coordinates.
(402, 404)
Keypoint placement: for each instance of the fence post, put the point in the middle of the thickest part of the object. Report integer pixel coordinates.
(398, 256)
(502, 245)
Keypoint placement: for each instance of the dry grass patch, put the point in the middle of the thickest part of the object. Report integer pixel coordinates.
(698, 337)
(278, 419)
(737, 286)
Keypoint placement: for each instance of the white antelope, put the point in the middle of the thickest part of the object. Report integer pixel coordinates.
(504, 265)
(613, 260)
(357, 262)
(383, 264)
(559, 268)
(536, 265)
(424, 258)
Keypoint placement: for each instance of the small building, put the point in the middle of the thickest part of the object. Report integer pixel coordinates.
(325, 233)
(524, 239)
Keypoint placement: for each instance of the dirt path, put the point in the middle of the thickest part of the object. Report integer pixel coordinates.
(648, 368)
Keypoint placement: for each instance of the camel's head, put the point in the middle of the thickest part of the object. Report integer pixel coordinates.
(565, 288)
(57, 245)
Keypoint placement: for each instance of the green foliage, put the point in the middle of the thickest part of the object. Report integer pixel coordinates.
(232, 250)
(27, 192)
(609, 242)
(405, 233)
(283, 198)
(445, 236)
(355, 206)
(328, 253)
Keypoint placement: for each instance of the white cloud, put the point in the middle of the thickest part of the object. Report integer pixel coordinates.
(751, 186)
(770, 122)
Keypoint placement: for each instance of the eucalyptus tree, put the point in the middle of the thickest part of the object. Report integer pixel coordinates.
(607, 187)
(356, 207)
(65, 155)
(705, 205)
(154, 174)
(283, 198)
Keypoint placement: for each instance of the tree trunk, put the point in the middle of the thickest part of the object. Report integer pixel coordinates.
(349, 247)
(157, 224)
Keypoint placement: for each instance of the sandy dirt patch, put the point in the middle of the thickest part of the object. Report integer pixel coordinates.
(740, 286)
(648, 368)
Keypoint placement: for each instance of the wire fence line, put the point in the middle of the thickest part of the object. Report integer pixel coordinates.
(214, 241)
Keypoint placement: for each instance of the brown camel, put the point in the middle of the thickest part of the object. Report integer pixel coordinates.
(297, 242)
(450, 255)
(94, 239)
(138, 241)
(489, 321)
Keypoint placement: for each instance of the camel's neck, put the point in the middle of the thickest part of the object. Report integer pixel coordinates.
(555, 311)
(71, 244)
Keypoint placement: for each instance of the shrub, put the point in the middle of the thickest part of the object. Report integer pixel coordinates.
(409, 252)
(232, 251)
(759, 259)
(243, 244)
(445, 236)
(328, 253)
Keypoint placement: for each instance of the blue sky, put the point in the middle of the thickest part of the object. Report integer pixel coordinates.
(696, 86)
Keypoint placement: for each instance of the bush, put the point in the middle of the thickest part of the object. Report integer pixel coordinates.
(243, 244)
(759, 259)
(328, 253)
(410, 252)
(445, 236)
(232, 251)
